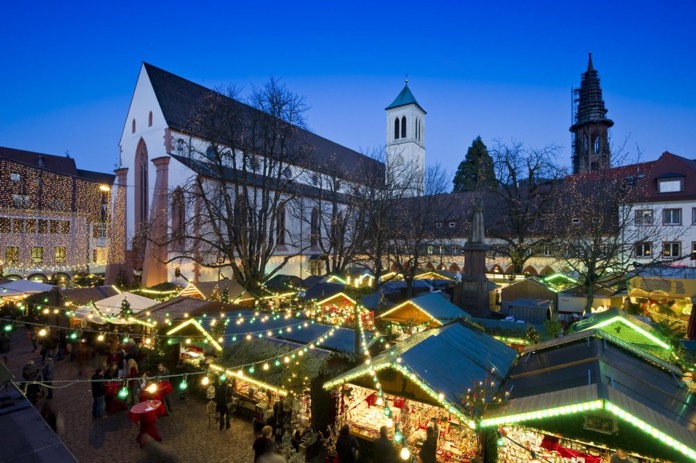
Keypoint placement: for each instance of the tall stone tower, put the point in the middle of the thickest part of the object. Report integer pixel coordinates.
(590, 127)
(406, 142)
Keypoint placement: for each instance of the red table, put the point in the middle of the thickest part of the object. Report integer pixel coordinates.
(551, 443)
(113, 403)
(163, 388)
(146, 413)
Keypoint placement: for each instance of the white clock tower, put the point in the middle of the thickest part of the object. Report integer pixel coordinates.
(406, 142)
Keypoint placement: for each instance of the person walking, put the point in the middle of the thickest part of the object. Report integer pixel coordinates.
(384, 450)
(98, 391)
(30, 374)
(133, 383)
(5, 346)
(48, 372)
(429, 449)
(222, 394)
(347, 447)
(164, 371)
(263, 444)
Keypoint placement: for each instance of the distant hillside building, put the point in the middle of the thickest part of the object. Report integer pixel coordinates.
(591, 150)
(53, 217)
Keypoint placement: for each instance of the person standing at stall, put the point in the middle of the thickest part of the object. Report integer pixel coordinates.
(222, 394)
(429, 449)
(384, 449)
(264, 443)
(164, 371)
(98, 390)
(347, 446)
(620, 456)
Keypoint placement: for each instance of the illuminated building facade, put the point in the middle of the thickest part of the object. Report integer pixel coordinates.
(53, 217)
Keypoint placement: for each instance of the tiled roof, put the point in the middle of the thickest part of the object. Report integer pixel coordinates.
(403, 98)
(181, 99)
(58, 164)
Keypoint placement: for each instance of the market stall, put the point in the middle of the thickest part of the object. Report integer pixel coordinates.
(633, 330)
(428, 310)
(423, 382)
(592, 392)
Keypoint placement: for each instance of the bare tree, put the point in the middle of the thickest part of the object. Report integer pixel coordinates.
(600, 229)
(414, 224)
(526, 179)
(246, 160)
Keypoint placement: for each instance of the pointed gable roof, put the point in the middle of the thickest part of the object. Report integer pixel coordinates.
(181, 99)
(404, 98)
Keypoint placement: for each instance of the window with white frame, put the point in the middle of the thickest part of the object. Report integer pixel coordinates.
(452, 224)
(671, 249)
(671, 217)
(644, 249)
(672, 185)
(643, 217)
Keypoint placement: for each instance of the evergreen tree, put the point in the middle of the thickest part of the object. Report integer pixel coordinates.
(476, 171)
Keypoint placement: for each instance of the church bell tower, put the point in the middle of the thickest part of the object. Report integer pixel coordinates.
(590, 127)
(406, 142)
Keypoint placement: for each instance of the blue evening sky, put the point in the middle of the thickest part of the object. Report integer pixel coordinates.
(501, 70)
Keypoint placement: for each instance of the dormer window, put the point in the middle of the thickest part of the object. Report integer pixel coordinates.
(452, 224)
(575, 221)
(670, 185)
(438, 224)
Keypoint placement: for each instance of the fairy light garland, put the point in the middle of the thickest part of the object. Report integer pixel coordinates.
(59, 210)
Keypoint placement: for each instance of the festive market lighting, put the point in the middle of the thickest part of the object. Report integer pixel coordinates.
(100, 337)
(656, 433)
(540, 414)
(43, 332)
(266, 366)
(637, 328)
(405, 453)
(123, 393)
(125, 340)
(205, 381)
(183, 385)
(8, 327)
(223, 377)
(152, 388)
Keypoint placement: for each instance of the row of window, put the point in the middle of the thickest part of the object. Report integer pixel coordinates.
(44, 226)
(149, 122)
(400, 128)
(37, 254)
(60, 255)
(669, 217)
(670, 249)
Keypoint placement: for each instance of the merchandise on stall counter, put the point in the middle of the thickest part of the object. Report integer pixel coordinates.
(366, 414)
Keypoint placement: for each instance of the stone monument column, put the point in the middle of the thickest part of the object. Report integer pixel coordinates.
(473, 294)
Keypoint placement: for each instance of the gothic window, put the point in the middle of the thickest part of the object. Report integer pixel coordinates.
(141, 184)
(281, 224)
(403, 127)
(133, 126)
(396, 128)
(596, 145)
(585, 143)
(210, 153)
(149, 119)
(315, 230)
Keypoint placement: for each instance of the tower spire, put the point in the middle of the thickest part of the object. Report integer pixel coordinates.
(590, 125)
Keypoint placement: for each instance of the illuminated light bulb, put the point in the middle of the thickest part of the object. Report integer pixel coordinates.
(398, 436)
(266, 366)
(183, 385)
(248, 337)
(125, 340)
(390, 422)
(123, 393)
(152, 388)
(223, 377)
(188, 341)
(405, 453)
(380, 401)
(252, 369)
(286, 359)
(205, 381)
(220, 339)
